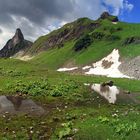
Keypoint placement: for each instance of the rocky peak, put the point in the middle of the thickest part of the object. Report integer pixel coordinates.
(18, 37)
(106, 15)
(14, 45)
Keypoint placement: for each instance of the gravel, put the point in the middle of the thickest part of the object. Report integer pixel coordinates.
(131, 67)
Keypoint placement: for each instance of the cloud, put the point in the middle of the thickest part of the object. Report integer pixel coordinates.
(0, 31)
(118, 6)
(36, 11)
(5, 35)
(39, 17)
(128, 6)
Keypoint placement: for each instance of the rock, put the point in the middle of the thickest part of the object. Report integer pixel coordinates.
(131, 40)
(131, 67)
(109, 83)
(14, 45)
(106, 15)
(127, 92)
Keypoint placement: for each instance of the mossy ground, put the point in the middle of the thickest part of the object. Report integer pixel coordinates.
(74, 110)
(78, 112)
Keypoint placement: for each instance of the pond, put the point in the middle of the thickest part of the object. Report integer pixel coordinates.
(19, 105)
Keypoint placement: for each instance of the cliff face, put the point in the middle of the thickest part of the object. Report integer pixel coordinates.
(14, 45)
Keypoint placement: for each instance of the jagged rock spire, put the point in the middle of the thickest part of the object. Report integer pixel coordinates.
(15, 44)
(18, 37)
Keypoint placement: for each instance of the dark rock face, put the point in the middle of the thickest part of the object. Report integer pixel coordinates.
(106, 15)
(14, 45)
(132, 40)
(70, 32)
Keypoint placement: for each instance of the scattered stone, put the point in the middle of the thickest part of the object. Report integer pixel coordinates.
(127, 92)
(109, 83)
(114, 115)
(131, 67)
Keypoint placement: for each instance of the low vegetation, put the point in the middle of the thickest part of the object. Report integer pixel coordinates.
(73, 111)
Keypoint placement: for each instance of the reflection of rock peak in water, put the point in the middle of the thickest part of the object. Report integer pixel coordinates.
(15, 105)
(16, 101)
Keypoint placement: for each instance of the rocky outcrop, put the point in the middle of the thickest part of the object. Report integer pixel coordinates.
(69, 34)
(131, 67)
(131, 40)
(106, 15)
(14, 45)
(57, 39)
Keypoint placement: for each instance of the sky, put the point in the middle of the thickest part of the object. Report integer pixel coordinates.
(39, 17)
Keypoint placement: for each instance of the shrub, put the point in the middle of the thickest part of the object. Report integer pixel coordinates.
(63, 88)
(84, 42)
(98, 35)
(66, 131)
(43, 88)
(32, 88)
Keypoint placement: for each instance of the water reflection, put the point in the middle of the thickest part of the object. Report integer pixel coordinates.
(114, 94)
(14, 105)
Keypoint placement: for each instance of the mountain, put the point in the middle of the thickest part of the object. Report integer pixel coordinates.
(70, 31)
(14, 45)
(105, 46)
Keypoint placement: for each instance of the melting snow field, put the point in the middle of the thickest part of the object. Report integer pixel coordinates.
(86, 67)
(108, 66)
(109, 93)
(67, 69)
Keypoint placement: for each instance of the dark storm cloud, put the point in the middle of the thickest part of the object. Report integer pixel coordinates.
(35, 10)
(39, 17)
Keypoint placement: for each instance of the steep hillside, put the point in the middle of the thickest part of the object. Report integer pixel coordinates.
(84, 42)
(14, 45)
(69, 32)
(97, 39)
(38, 102)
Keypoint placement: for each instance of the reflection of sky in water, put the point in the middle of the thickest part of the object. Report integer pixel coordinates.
(16, 105)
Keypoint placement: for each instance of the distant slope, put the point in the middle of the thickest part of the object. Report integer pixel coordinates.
(84, 42)
(69, 32)
(14, 45)
(96, 40)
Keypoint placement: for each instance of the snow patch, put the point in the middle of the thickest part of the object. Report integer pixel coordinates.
(67, 69)
(86, 67)
(108, 66)
(114, 22)
(109, 93)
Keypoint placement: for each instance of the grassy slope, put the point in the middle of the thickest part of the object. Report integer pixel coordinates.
(97, 50)
(82, 112)
(92, 117)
